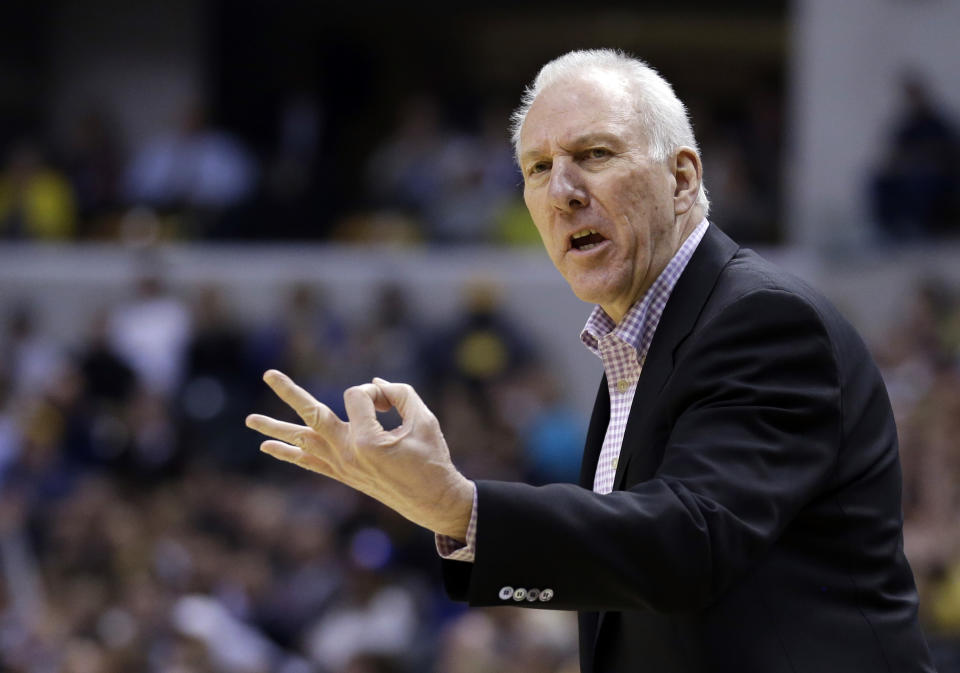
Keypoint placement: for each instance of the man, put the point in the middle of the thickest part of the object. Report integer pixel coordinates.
(739, 501)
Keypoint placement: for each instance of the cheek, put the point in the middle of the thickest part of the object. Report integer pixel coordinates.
(540, 220)
(651, 214)
(541, 228)
(549, 243)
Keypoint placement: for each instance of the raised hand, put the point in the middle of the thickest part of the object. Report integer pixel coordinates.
(407, 469)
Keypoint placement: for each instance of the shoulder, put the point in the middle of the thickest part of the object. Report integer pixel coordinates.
(754, 298)
(721, 275)
(749, 279)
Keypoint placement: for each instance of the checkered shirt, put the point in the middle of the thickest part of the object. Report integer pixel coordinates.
(623, 349)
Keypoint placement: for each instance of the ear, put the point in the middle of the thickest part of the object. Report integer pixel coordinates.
(688, 171)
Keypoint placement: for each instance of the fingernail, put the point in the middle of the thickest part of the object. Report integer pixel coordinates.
(377, 379)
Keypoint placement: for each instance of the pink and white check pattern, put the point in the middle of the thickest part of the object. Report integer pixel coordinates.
(454, 550)
(623, 349)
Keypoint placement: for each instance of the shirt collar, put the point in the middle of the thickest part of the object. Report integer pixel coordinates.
(641, 320)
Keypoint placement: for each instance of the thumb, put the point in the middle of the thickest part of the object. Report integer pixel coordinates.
(400, 395)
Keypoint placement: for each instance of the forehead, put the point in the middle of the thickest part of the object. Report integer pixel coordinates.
(598, 102)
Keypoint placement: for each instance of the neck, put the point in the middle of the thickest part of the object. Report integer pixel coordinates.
(686, 223)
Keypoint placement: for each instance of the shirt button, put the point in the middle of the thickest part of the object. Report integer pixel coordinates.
(615, 462)
(546, 595)
(519, 594)
(622, 385)
(533, 594)
(506, 593)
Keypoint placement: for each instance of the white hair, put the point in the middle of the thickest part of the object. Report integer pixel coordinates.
(662, 114)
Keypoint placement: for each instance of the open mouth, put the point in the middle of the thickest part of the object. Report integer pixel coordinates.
(586, 240)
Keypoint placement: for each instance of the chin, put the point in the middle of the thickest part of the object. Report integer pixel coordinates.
(595, 286)
(591, 295)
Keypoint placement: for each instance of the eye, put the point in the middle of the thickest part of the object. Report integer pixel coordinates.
(598, 153)
(538, 167)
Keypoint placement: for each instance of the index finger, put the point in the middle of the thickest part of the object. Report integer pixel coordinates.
(361, 408)
(318, 416)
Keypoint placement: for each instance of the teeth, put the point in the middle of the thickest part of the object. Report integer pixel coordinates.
(585, 232)
(588, 246)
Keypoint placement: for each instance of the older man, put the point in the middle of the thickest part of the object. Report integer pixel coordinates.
(739, 500)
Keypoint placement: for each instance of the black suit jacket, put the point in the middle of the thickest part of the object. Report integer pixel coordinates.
(755, 524)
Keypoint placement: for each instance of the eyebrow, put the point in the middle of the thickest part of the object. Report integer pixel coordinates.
(594, 138)
(530, 154)
(580, 141)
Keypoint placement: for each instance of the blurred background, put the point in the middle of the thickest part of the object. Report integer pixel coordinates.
(194, 191)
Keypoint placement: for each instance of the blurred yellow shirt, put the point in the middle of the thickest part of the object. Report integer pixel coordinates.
(46, 204)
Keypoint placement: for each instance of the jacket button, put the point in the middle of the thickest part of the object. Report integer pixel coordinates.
(506, 593)
(519, 594)
(622, 385)
(533, 594)
(546, 595)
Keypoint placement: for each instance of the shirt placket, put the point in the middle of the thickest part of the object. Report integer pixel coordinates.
(623, 371)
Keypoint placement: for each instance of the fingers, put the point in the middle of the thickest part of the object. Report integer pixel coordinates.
(290, 433)
(299, 399)
(380, 401)
(400, 395)
(284, 452)
(318, 416)
(299, 457)
(361, 408)
(362, 404)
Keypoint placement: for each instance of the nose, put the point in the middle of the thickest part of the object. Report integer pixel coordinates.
(567, 190)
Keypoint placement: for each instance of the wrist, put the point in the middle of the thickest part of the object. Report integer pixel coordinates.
(455, 509)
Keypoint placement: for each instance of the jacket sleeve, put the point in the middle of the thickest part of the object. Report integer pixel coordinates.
(753, 410)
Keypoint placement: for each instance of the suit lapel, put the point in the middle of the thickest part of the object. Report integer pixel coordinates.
(686, 302)
(599, 420)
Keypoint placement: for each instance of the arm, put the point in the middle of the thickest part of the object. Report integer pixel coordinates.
(753, 408)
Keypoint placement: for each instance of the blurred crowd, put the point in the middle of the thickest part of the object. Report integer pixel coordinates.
(920, 361)
(431, 177)
(141, 530)
(426, 180)
(435, 174)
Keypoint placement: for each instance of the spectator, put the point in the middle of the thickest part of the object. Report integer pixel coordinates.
(309, 337)
(915, 194)
(389, 343)
(36, 201)
(217, 378)
(481, 348)
(32, 360)
(110, 382)
(404, 171)
(197, 169)
(151, 333)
